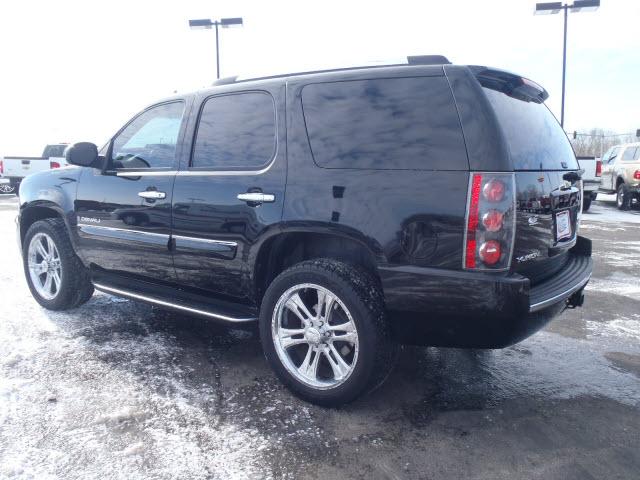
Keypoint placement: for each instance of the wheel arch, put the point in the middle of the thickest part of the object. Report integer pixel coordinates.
(285, 248)
(34, 212)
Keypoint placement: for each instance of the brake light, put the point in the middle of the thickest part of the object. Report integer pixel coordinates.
(598, 168)
(636, 175)
(490, 221)
(1, 167)
(53, 164)
(493, 190)
(490, 252)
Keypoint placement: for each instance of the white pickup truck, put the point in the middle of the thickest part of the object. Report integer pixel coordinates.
(591, 178)
(14, 169)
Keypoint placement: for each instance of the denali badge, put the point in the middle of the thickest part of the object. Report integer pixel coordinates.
(530, 256)
(89, 220)
(533, 220)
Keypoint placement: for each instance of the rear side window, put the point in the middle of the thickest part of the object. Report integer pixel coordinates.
(629, 154)
(236, 131)
(535, 138)
(399, 123)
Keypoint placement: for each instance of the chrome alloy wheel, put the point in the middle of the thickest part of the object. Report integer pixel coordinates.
(45, 269)
(315, 336)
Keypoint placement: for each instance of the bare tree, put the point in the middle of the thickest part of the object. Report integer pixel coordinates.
(597, 141)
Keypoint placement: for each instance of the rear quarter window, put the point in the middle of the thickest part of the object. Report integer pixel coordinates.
(535, 139)
(385, 124)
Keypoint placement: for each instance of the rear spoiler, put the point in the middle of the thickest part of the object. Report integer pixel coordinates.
(510, 83)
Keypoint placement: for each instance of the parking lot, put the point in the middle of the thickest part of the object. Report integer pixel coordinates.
(117, 389)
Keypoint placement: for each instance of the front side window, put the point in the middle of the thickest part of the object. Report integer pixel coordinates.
(236, 131)
(150, 140)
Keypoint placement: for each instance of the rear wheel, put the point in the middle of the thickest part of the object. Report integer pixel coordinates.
(586, 203)
(324, 333)
(56, 277)
(623, 199)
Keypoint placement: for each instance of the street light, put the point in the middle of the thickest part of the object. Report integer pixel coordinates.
(551, 8)
(208, 24)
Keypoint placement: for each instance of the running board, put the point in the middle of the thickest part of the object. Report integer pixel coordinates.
(201, 309)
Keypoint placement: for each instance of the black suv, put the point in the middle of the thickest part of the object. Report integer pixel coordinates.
(344, 211)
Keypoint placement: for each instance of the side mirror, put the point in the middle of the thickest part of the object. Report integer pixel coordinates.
(83, 154)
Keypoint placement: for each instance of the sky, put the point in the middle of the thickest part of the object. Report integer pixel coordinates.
(77, 70)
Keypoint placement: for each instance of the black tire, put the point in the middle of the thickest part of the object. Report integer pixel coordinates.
(623, 199)
(362, 295)
(586, 203)
(75, 283)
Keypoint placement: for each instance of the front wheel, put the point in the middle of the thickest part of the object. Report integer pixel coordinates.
(56, 277)
(323, 330)
(623, 199)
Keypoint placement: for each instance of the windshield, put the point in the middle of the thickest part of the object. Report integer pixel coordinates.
(535, 138)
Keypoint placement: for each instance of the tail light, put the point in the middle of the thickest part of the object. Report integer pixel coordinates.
(636, 175)
(53, 164)
(490, 226)
(598, 168)
(1, 167)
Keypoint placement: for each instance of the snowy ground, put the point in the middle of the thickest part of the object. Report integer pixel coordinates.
(120, 390)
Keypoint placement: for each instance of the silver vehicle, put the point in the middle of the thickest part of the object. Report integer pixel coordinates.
(591, 179)
(621, 173)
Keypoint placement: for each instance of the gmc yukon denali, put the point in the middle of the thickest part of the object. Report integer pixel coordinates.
(344, 212)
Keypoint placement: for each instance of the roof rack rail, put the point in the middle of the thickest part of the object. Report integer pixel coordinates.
(411, 61)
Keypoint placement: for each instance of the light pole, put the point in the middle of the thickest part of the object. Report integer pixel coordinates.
(555, 7)
(208, 24)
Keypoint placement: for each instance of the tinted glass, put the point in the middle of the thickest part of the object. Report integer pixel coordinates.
(535, 138)
(54, 151)
(236, 131)
(628, 154)
(149, 141)
(403, 123)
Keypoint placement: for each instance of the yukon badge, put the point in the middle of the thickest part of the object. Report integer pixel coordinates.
(529, 256)
(533, 220)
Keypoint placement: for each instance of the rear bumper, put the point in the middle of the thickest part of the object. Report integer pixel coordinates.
(477, 310)
(591, 185)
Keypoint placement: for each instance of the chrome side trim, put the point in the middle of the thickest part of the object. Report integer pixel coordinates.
(550, 301)
(145, 298)
(85, 227)
(205, 240)
(195, 173)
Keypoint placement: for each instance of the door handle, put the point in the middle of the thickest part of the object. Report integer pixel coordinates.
(257, 197)
(152, 194)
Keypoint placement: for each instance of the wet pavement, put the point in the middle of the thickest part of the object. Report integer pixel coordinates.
(117, 389)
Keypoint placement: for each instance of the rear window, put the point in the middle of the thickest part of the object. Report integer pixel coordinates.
(629, 154)
(535, 139)
(54, 151)
(400, 123)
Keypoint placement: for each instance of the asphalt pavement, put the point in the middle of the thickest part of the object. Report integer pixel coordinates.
(122, 390)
